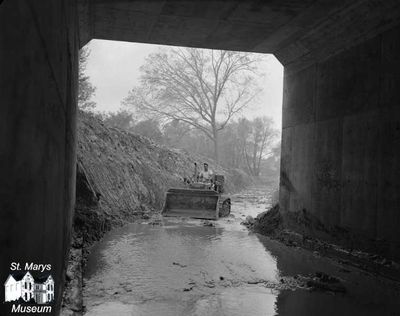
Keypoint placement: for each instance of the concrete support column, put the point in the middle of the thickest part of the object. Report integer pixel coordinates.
(340, 167)
(38, 85)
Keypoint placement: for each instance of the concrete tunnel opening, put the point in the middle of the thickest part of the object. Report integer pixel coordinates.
(100, 184)
(111, 58)
(339, 164)
(114, 99)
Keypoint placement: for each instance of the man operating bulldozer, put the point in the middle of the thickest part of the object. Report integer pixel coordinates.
(201, 198)
(206, 174)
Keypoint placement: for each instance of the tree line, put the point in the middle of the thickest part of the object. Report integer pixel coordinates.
(193, 99)
(248, 144)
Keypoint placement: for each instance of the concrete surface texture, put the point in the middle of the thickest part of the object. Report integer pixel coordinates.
(340, 154)
(38, 85)
(341, 145)
(298, 32)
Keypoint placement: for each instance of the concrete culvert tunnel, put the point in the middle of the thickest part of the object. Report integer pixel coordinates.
(340, 162)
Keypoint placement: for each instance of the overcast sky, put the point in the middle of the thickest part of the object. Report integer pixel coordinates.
(113, 68)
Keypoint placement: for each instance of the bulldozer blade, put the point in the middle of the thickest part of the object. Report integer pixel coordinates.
(193, 203)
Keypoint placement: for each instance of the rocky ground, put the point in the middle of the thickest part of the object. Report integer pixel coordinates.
(121, 178)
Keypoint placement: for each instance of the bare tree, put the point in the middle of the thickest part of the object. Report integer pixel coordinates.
(121, 119)
(174, 132)
(203, 88)
(86, 90)
(149, 128)
(256, 139)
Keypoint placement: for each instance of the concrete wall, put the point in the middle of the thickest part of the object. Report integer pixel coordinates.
(38, 85)
(340, 149)
(341, 146)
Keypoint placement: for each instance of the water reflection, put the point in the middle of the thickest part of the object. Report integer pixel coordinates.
(185, 268)
(366, 294)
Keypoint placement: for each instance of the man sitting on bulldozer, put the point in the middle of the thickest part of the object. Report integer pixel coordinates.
(203, 179)
(202, 198)
(211, 180)
(206, 175)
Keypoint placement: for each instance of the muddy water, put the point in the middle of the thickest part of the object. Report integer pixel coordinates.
(181, 267)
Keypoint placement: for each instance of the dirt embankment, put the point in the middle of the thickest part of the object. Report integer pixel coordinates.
(121, 177)
(280, 227)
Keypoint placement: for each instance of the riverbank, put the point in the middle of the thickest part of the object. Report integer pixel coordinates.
(271, 223)
(121, 178)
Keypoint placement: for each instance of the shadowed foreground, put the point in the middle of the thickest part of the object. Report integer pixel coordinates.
(194, 267)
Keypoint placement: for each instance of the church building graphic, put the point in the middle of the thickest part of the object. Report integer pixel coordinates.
(22, 285)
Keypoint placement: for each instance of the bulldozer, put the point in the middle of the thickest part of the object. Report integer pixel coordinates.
(198, 200)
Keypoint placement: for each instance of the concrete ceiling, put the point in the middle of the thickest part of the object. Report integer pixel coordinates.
(298, 32)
